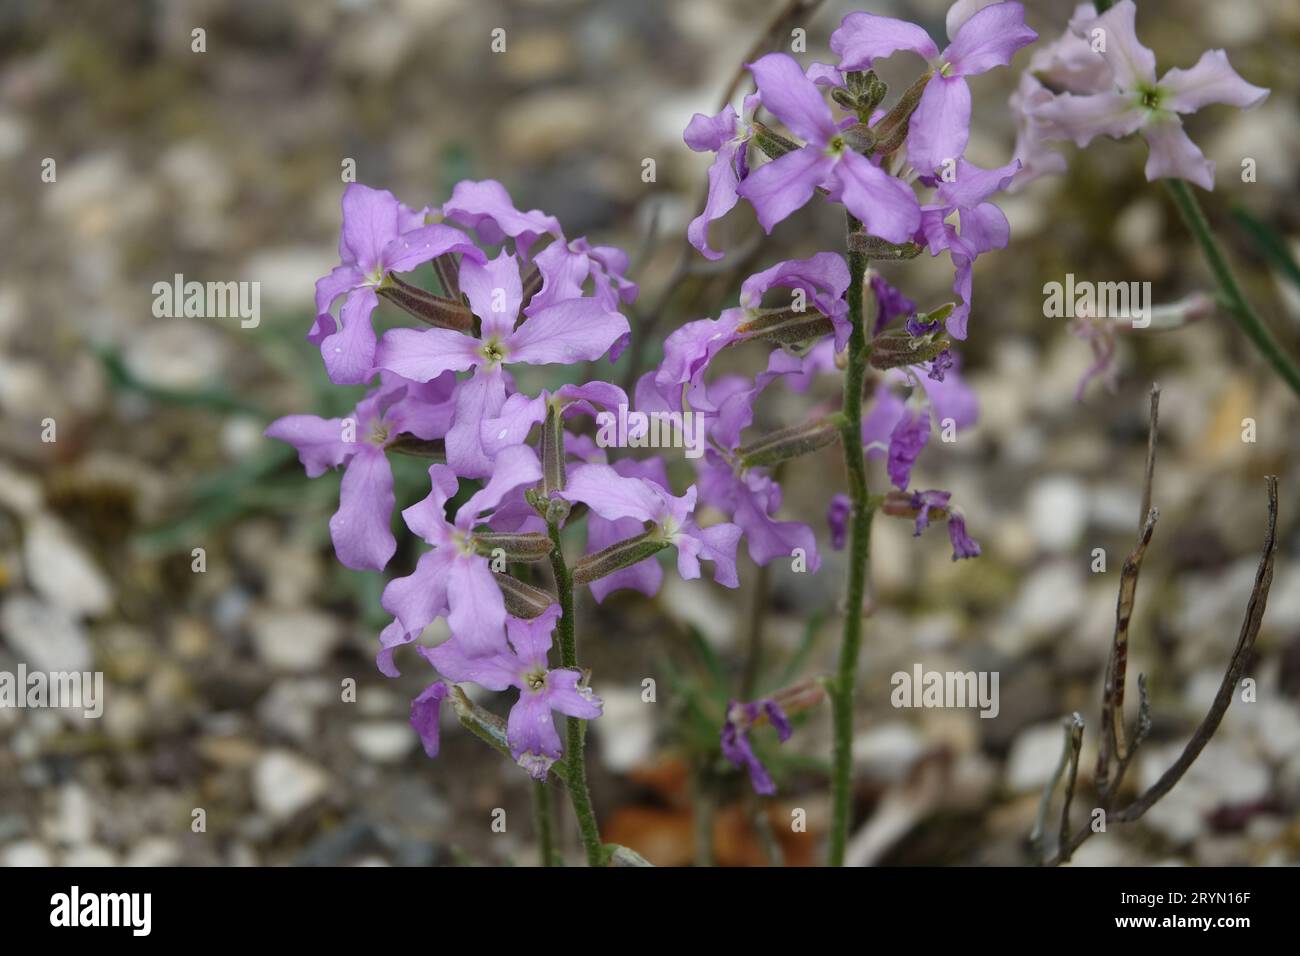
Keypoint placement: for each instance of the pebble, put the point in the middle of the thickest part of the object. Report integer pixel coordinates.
(285, 783)
(296, 640)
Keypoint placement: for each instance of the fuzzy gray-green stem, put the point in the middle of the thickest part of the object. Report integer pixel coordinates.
(575, 759)
(542, 817)
(859, 552)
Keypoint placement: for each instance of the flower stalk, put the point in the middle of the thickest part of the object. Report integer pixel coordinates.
(859, 554)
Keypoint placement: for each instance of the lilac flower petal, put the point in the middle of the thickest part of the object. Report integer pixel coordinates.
(495, 293)
(319, 441)
(951, 398)
(960, 12)
(369, 223)
(885, 204)
(564, 695)
(427, 410)
(362, 527)
(737, 749)
(486, 208)
(1132, 64)
(1173, 154)
(611, 495)
(518, 415)
(423, 354)
(1211, 80)
(940, 126)
(342, 278)
(963, 545)
(426, 710)
(477, 611)
(973, 185)
(768, 540)
(477, 399)
(905, 443)
(1080, 118)
(989, 39)
(780, 722)
(563, 273)
(716, 543)
(493, 671)
(722, 198)
(428, 517)
(349, 353)
(390, 639)
(416, 247)
(420, 597)
(837, 516)
(863, 38)
(531, 639)
(530, 732)
(785, 184)
(515, 466)
(794, 99)
(574, 331)
(706, 134)
(823, 271)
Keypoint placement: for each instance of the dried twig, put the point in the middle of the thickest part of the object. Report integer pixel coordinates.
(1074, 743)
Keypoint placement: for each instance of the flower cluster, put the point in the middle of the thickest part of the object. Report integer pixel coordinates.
(1098, 79)
(512, 290)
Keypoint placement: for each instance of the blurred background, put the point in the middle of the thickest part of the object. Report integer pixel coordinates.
(223, 687)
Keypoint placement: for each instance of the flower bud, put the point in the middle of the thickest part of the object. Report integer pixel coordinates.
(789, 443)
(529, 546)
(619, 555)
(553, 471)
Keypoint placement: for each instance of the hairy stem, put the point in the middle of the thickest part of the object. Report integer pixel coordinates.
(1239, 308)
(542, 818)
(575, 759)
(859, 552)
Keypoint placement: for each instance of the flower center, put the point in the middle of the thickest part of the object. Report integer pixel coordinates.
(493, 351)
(836, 146)
(378, 433)
(1150, 97)
(535, 680)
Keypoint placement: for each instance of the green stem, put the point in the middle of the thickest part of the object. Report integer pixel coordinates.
(859, 552)
(1238, 307)
(542, 817)
(575, 760)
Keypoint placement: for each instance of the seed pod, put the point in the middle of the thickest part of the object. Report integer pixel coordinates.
(447, 268)
(407, 444)
(785, 327)
(428, 308)
(553, 471)
(773, 143)
(523, 600)
(789, 443)
(897, 348)
(619, 555)
(530, 546)
(874, 247)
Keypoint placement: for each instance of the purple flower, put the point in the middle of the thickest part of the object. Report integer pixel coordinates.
(949, 399)
(1136, 101)
(885, 205)
(426, 711)
(823, 278)
(380, 236)
(543, 691)
(963, 545)
(981, 227)
(727, 135)
(890, 304)
(572, 330)
(735, 738)
(452, 579)
(647, 575)
(361, 528)
(924, 502)
(486, 208)
(940, 127)
(907, 439)
(837, 516)
(614, 497)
